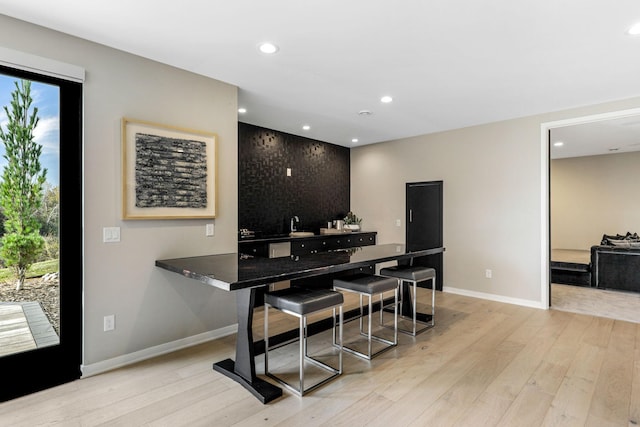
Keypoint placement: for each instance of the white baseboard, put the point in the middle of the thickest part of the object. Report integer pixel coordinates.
(493, 297)
(148, 353)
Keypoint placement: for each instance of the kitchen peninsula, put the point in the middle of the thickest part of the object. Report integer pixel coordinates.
(244, 274)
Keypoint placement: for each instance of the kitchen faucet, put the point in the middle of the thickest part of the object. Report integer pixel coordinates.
(294, 221)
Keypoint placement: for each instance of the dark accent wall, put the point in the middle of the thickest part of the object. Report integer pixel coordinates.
(317, 190)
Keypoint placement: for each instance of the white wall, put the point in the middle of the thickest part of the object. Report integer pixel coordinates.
(494, 178)
(592, 196)
(152, 307)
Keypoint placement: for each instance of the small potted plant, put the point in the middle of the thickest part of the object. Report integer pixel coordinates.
(352, 222)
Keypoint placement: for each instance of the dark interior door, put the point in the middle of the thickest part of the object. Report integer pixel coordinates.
(48, 366)
(424, 223)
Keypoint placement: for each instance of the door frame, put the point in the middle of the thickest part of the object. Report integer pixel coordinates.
(545, 193)
(43, 365)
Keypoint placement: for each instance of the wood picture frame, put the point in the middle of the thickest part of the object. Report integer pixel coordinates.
(167, 172)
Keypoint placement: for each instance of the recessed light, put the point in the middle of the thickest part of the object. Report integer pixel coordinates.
(306, 127)
(354, 140)
(634, 30)
(365, 112)
(242, 110)
(558, 144)
(268, 48)
(386, 99)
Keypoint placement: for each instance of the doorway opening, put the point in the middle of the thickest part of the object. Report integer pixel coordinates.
(579, 204)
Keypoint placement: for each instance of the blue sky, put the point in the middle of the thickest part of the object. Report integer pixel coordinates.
(47, 133)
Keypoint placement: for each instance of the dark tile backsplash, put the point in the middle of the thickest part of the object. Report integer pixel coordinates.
(317, 190)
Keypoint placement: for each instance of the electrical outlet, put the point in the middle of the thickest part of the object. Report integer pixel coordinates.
(109, 322)
(209, 230)
(488, 274)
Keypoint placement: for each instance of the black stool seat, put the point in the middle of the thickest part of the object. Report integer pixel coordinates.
(366, 284)
(303, 301)
(410, 273)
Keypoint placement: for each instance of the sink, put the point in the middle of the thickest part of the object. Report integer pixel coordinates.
(301, 234)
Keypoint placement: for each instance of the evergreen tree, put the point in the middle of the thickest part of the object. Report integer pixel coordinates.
(21, 189)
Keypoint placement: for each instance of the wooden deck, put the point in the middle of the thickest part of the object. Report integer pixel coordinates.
(24, 327)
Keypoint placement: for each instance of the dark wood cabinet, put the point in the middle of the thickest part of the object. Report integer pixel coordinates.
(304, 246)
(364, 239)
(260, 249)
(310, 245)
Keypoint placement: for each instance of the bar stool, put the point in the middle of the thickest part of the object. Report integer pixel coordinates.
(413, 274)
(371, 285)
(300, 302)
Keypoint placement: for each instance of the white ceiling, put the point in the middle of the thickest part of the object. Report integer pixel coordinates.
(447, 63)
(613, 136)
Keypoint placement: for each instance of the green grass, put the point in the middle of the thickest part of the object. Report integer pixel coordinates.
(37, 270)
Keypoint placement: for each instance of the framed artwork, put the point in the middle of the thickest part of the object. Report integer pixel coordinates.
(167, 172)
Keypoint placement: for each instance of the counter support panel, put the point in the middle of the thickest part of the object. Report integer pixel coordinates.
(243, 370)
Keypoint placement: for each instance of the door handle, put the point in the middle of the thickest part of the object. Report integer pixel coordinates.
(410, 215)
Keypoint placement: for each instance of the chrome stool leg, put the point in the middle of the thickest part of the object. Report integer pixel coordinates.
(301, 303)
(411, 276)
(369, 332)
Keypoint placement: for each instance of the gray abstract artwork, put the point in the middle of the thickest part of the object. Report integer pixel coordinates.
(170, 172)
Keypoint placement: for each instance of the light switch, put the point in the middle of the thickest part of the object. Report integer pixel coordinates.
(288, 171)
(398, 223)
(209, 230)
(111, 234)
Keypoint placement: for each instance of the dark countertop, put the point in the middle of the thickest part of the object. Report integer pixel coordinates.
(233, 271)
(286, 238)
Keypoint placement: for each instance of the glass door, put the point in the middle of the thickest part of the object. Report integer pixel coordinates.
(40, 247)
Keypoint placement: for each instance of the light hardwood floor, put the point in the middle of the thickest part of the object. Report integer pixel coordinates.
(484, 364)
